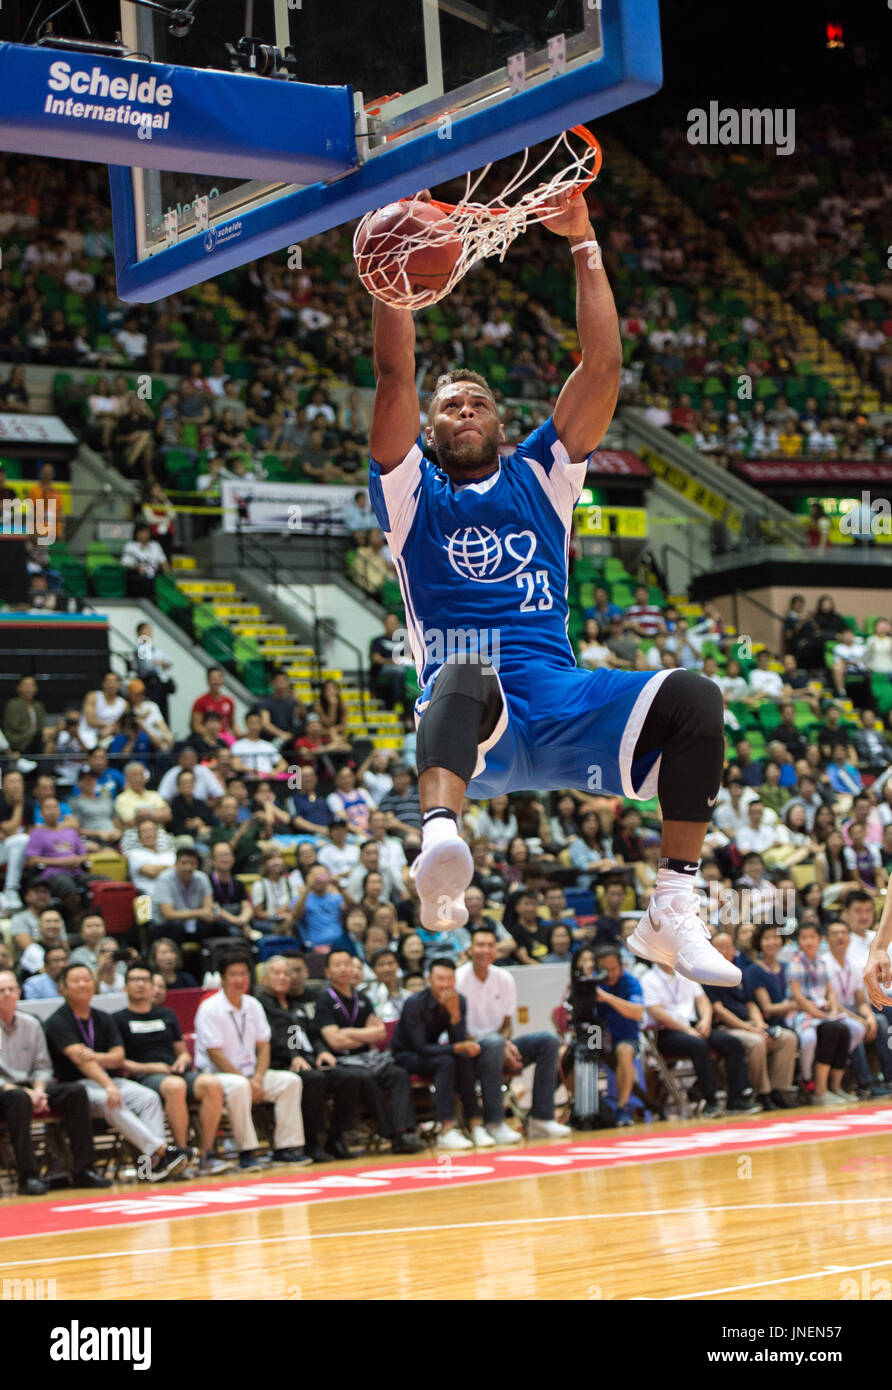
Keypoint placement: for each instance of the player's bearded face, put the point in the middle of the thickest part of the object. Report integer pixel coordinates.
(466, 433)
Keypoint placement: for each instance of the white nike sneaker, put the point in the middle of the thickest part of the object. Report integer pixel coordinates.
(547, 1129)
(442, 873)
(482, 1138)
(676, 935)
(504, 1134)
(454, 1141)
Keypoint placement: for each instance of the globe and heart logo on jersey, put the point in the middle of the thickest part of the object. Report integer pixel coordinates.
(478, 553)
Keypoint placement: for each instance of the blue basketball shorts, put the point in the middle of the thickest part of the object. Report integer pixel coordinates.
(565, 727)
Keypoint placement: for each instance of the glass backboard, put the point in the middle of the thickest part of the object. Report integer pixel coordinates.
(440, 87)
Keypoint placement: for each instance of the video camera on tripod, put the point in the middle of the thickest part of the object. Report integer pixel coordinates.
(589, 1111)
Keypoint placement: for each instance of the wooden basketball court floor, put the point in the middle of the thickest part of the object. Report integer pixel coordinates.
(787, 1206)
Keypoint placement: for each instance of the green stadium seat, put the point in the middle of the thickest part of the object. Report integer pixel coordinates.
(769, 714)
(110, 581)
(98, 555)
(217, 641)
(255, 675)
(881, 686)
(390, 594)
(586, 571)
(173, 602)
(74, 574)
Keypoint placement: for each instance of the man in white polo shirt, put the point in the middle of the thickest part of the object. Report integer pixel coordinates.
(682, 1015)
(232, 1038)
(858, 915)
(865, 1026)
(491, 996)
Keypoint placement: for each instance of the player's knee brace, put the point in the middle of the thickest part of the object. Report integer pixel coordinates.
(686, 721)
(464, 708)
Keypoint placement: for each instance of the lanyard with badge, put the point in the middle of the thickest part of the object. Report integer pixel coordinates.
(339, 1004)
(88, 1032)
(240, 1020)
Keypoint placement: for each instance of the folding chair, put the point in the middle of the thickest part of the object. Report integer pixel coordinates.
(652, 1057)
(422, 1087)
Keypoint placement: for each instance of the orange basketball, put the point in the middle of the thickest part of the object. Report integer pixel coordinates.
(383, 237)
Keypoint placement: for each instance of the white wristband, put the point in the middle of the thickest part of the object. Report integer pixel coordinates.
(583, 246)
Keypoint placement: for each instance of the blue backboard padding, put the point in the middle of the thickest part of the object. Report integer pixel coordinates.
(630, 70)
(203, 122)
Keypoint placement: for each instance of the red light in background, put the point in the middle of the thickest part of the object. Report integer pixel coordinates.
(834, 36)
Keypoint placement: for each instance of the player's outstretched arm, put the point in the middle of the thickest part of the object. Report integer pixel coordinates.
(396, 418)
(586, 404)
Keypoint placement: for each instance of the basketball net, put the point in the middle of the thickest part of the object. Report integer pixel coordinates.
(483, 228)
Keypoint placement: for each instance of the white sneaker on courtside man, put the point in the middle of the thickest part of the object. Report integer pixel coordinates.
(673, 933)
(454, 1141)
(547, 1129)
(442, 872)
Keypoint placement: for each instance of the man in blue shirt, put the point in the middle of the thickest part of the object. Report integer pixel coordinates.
(106, 777)
(318, 912)
(845, 779)
(619, 1013)
(603, 610)
(44, 985)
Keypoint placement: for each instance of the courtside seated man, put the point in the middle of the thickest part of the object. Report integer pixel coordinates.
(480, 543)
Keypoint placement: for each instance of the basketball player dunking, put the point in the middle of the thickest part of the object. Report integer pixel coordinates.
(480, 544)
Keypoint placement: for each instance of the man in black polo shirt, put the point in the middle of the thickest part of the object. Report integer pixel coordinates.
(417, 1047)
(296, 1045)
(85, 1045)
(353, 1033)
(156, 1056)
(28, 1092)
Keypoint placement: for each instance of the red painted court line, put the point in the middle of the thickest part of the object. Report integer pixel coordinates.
(62, 1213)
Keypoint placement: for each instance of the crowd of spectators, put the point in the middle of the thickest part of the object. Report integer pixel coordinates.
(813, 226)
(813, 222)
(272, 838)
(242, 372)
(272, 846)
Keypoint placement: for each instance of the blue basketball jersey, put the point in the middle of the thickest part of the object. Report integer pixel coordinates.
(482, 566)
